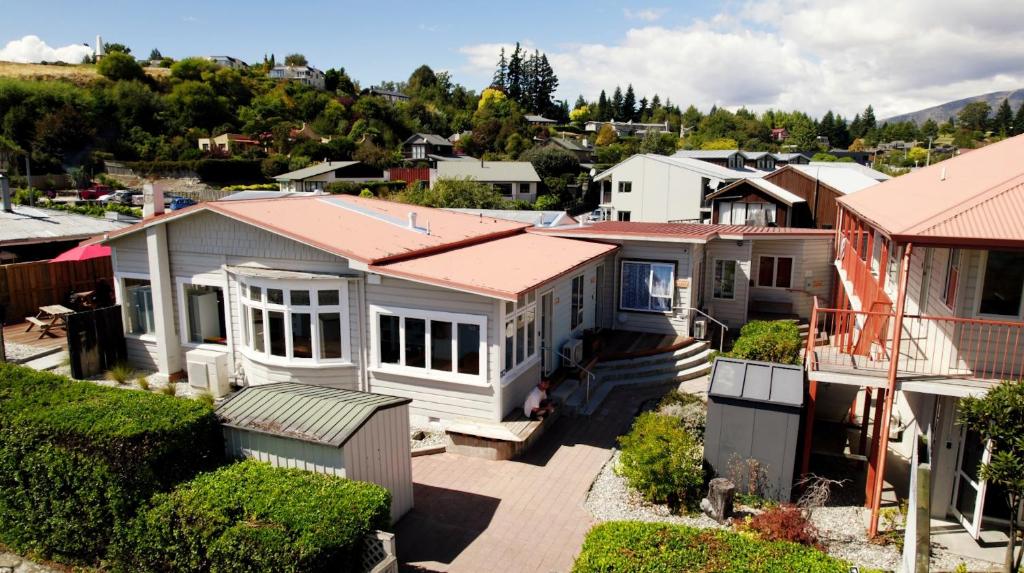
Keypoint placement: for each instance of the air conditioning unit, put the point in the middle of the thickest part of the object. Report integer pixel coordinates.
(573, 350)
(700, 329)
(208, 370)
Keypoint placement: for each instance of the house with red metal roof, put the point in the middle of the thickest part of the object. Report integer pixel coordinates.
(928, 310)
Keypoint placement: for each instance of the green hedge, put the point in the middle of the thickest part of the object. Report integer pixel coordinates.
(378, 188)
(769, 341)
(77, 460)
(250, 516)
(636, 547)
(253, 187)
(220, 171)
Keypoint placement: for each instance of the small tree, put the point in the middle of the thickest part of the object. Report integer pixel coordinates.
(606, 136)
(662, 461)
(295, 60)
(120, 66)
(998, 419)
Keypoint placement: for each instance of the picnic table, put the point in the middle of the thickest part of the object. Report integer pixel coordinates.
(49, 317)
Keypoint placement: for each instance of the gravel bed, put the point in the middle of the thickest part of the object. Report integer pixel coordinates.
(431, 437)
(17, 351)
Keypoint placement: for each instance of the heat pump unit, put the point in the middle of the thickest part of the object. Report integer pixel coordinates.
(208, 370)
(700, 329)
(573, 350)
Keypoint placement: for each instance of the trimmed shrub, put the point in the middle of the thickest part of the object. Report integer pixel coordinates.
(378, 188)
(689, 409)
(784, 523)
(637, 547)
(768, 341)
(253, 187)
(250, 516)
(662, 461)
(77, 460)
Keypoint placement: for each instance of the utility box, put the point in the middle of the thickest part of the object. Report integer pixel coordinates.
(753, 424)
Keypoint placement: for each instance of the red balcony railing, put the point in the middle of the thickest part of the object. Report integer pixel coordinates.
(866, 287)
(861, 341)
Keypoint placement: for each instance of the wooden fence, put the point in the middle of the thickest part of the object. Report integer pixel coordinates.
(95, 341)
(24, 287)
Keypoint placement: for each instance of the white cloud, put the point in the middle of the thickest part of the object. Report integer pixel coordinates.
(645, 14)
(32, 49)
(814, 56)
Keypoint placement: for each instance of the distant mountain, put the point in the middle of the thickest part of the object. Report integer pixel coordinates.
(943, 112)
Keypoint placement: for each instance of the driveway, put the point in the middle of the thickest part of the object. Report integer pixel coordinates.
(523, 515)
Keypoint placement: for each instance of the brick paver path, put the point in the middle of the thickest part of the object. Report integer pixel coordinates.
(477, 515)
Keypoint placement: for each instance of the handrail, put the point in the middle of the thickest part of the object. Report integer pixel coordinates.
(590, 375)
(721, 337)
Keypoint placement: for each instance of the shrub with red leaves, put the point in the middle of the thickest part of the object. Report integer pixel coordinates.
(784, 523)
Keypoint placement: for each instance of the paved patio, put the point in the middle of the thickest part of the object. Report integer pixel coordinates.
(522, 515)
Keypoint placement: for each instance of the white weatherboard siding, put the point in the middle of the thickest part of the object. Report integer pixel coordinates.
(660, 192)
(732, 311)
(379, 453)
(812, 273)
(673, 322)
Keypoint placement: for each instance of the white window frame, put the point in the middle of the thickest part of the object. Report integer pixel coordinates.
(520, 309)
(980, 286)
(714, 280)
(419, 151)
(625, 187)
(775, 271)
(650, 284)
(119, 296)
(376, 311)
(207, 281)
(314, 309)
(580, 313)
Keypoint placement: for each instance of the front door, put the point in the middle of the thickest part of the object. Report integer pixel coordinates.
(546, 353)
(969, 489)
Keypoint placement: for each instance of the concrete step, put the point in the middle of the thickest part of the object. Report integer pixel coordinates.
(579, 403)
(630, 363)
(656, 368)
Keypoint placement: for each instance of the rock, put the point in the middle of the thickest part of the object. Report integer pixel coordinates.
(419, 435)
(718, 504)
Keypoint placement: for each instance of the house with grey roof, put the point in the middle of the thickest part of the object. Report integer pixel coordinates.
(580, 148)
(317, 177)
(428, 147)
(392, 96)
(515, 180)
(627, 128)
(538, 120)
(732, 158)
(307, 75)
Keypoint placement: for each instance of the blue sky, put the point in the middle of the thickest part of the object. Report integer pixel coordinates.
(783, 54)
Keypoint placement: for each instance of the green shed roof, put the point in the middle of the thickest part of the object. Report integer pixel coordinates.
(304, 412)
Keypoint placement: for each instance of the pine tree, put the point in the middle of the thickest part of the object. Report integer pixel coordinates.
(929, 129)
(546, 82)
(856, 127)
(514, 77)
(1018, 120)
(629, 104)
(617, 104)
(1003, 120)
(580, 102)
(827, 127)
(603, 109)
(529, 98)
(868, 119)
(655, 102)
(500, 79)
(641, 109)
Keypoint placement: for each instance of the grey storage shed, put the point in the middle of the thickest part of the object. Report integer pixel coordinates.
(356, 435)
(754, 413)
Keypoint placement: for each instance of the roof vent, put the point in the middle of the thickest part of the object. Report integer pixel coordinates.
(943, 176)
(412, 219)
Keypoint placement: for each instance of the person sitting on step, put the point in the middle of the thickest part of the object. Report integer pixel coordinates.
(537, 404)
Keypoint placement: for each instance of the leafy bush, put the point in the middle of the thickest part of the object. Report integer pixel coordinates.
(784, 523)
(251, 516)
(637, 547)
(356, 187)
(254, 187)
(77, 460)
(662, 461)
(548, 202)
(689, 409)
(209, 170)
(768, 341)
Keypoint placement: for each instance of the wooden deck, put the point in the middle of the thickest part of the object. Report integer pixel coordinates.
(55, 338)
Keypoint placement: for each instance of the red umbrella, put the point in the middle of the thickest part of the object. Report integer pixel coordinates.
(82, 253)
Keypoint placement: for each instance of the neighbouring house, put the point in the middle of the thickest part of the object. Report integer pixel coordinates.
(227, 143)
(760, 160)
(627, 128)
(515, 180)
(930, 270)
(535, 218)
(538, 120)
(758, 201)
(316, 177)
(391, 96)
(860, 157)
(667, 276)
(582, 149)
(228, 62)
(455, 311)
(732, 158)
(306, 75)
(428, 147)
(660, 189)
(779, 134)
(783, 159)
(306, 131)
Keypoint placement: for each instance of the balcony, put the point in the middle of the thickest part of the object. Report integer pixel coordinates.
(861, 284)
(938, 355)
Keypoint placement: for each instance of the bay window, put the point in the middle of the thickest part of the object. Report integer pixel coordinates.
(520, 339)
(202, 309)
(724, 280)
(646, 286)
(138, 305)
(296, 321)
(440, 345)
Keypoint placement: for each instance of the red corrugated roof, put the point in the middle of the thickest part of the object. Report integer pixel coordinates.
(975, 198)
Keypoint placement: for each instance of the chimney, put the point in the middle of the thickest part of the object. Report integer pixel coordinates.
(5, 191)
(412, 219)
(481, 163)
(152, 200)
(99, 45)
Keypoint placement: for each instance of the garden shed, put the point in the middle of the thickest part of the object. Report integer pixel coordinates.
(754, 414)
(355, 435)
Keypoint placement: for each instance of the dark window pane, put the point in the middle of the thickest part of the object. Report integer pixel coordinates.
(255, 293)
(469, 349)
(275, 296)
(1004, 279)
(785, 277)
(330, 335)
(300, 297)
(766, 272)
(327, 297)
(441, 346)
(389, 343)
(531, 331)
(278, 347)
(509, 346)
(520, 338)
(257, 329)
(302, 335)
(416, 342)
